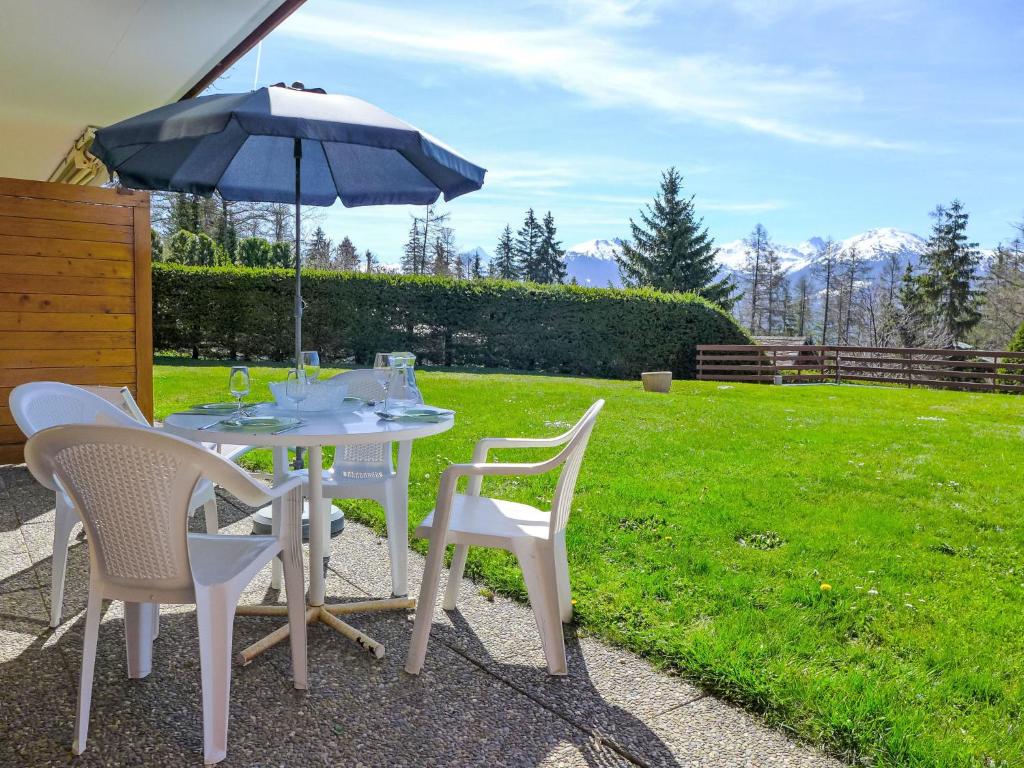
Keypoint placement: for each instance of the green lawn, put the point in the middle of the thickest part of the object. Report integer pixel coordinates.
(908, 503)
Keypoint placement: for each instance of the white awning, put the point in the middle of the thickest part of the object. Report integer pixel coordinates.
(71, 64)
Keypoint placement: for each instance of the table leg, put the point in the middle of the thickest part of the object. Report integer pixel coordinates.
(317, 525)
(280, 473)
(398, 525)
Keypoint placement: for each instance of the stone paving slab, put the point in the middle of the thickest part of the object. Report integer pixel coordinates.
(483, 698)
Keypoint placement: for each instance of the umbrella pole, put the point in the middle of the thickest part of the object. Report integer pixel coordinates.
(298, 274)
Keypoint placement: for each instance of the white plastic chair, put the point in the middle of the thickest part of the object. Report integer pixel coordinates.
(133, 489)
(535, 537)
(367, 471)
(42, 404)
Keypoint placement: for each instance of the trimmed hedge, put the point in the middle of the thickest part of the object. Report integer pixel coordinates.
(228, 311)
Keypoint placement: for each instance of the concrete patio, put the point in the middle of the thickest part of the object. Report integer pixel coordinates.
(484, 697)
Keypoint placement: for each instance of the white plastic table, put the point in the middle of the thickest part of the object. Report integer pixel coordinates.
(318, 430)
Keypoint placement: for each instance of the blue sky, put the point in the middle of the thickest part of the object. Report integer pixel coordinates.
(814, 117)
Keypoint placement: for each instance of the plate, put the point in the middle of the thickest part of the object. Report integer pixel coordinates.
(260, 423)
(216, 408)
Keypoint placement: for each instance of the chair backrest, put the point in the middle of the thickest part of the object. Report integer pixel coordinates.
(42, 404)
(122, 398)
(572, 456)
(133, 488)
(362, 457)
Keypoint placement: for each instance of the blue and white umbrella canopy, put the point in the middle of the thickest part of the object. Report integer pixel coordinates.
(243, 146)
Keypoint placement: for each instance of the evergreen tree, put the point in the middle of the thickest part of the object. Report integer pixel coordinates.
(254, 252)
(503, 265)
(227, 234)
(281, 255)
(476, 267)
(317, 254)
(951, 265)
(547, 265)
(156, 245)
(411, 252)
(443, 249)
(527, 241)
(372, 263)
(913, 314)
(671, 249)
(346, 256)
(803, 306)
(181, 247)
(206, 253)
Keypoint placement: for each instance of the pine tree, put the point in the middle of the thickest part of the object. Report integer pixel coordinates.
(476, 267)
(227, 234)
(411, 251)
(951, 265)
(671, 249)
(345, 256)
(254, 252)
(317, 254)
(913, 314)
(803, 306)
(371, 262)
(528, 239)
(503, 265)
(443, 248)
(547, 265)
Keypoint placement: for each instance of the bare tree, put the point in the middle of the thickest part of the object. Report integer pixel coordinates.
(825, 268)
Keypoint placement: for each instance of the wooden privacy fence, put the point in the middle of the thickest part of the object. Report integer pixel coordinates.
(966, 369)
(75, 292)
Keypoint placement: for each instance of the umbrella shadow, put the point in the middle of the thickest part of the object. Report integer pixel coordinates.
(610, 734)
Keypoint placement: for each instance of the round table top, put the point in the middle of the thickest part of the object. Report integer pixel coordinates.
(321, 428)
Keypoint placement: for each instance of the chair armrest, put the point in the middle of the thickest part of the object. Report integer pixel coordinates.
(487, 443)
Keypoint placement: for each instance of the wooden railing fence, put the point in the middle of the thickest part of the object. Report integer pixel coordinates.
(964, 369)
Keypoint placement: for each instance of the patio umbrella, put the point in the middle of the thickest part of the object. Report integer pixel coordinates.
(285, 144)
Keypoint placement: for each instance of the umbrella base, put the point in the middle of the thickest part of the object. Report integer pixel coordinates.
(325, 614)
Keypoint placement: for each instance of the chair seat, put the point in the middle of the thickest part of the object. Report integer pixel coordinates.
(219, 558)
(478, 518)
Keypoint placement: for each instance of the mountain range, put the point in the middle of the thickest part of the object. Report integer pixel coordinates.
(592, 262)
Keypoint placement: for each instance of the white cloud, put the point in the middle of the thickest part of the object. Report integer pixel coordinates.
(589, 62)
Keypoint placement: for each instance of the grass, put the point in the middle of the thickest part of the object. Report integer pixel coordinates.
(708, 522)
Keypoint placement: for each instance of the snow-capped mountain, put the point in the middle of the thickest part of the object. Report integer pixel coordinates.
(873, 248)
(593, 264)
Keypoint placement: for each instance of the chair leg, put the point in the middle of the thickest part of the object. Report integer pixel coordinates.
(63, 523)
(276, 510)
(562, 572)
(425, 608)
(215, 614)
(138, 635)
(539, 573)
(396, 515)
(92, 630)
(293, 582)
(210, 512)
(455, 571)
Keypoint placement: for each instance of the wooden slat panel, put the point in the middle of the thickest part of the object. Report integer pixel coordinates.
(62, 265)
(16, 245)
(64, 358)
(65, 321)
(51, 191)
(11, 434)
(61, 210)
(67, 340)
(49, 302)
(64, 230)
(144, 312)
(113, 376)
(12, 454)
(6, 417)
(66, 286)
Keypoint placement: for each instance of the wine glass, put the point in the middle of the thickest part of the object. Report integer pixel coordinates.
(238, 385)
(383, 371)
(296, 388)
(311, 365)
